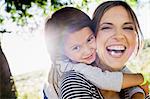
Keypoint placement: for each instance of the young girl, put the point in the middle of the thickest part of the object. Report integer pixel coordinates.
(71, 44)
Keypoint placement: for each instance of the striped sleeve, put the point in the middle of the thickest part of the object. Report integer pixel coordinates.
(74, 85)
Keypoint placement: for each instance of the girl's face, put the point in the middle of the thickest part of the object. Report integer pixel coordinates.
(116, 38)
(80, 46)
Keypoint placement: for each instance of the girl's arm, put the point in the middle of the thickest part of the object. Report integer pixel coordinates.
(103, 80)
(106, 80)
(135, 92)
(114, 81)
(130, 80)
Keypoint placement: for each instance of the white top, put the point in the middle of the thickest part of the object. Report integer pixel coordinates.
(95, 75)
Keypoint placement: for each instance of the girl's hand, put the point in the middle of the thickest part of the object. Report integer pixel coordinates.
(145, 88)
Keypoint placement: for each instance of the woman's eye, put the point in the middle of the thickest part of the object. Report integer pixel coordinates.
(128, 28)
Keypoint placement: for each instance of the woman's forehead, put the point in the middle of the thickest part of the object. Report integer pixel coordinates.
(117, 13)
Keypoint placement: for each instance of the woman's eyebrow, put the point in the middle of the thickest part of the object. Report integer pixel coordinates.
(130, 23)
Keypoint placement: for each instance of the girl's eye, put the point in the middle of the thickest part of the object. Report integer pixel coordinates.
(91, 39)
(76, 48)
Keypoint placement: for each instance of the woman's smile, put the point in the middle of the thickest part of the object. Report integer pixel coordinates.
(116, 51)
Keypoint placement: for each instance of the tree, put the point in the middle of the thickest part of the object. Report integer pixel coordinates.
(18, 10)
(7, 87)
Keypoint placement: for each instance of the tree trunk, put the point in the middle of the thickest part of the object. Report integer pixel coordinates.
(7, 87)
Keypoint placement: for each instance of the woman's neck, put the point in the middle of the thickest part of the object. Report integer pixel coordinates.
(103, 66)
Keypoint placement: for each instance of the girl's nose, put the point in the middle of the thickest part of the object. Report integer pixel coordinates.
(87, 49)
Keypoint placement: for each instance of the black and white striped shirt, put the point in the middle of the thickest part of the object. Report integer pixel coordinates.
(74, 85)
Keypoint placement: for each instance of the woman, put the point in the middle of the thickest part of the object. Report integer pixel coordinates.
(118, 35)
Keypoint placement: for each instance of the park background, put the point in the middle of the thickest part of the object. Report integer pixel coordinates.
(22, 39)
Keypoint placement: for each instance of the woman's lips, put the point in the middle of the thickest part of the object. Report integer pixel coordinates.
(116, 50)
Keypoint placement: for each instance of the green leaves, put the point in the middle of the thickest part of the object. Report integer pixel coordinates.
(132, 2)
(19, 10)
(1, 19)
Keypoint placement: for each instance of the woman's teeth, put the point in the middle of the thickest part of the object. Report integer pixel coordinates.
(116, 51)
(116, 48)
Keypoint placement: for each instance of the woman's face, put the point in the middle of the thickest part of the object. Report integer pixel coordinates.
(80, 46)
(116, 38)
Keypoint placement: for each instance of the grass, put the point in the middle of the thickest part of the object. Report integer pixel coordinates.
(29, 86)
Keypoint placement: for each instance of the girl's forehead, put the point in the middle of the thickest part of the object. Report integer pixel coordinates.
(79, 36)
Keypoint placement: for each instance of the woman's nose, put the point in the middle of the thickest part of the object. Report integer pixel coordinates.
(119, 34)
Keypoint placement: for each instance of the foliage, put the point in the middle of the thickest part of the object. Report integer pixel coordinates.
(19, 9)
(142, 63)
(147, 43)
(132, 2)
(20, 13)
(1, 19)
